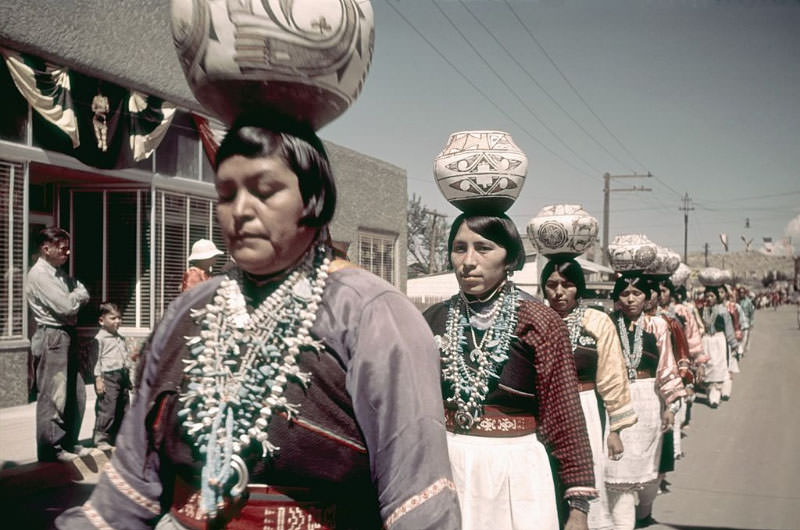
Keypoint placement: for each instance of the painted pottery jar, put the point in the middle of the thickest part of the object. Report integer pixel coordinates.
(711, 277)
(631, 253)
(303, 59)
(664, 264)
(681, 274)
(562, 230)
(480, 172)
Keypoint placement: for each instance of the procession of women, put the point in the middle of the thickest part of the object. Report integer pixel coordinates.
(297, 390)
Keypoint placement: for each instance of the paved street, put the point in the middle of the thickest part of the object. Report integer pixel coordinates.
(741, 470)
(742, 467)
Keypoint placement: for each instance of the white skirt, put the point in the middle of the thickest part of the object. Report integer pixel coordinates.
(717, 350)
(503, 483)
(599, 514)
(642, 441)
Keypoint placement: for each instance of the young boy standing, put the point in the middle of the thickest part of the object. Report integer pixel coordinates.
(112, 380)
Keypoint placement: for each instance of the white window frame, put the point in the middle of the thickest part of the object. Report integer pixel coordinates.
(382, 237)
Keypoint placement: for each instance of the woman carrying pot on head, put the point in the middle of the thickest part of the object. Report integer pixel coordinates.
(656, 389)
(718, 341)
(508, 375)
(294, 390)
(602, 375)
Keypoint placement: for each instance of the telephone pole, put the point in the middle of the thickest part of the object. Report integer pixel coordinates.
(607, 199)
(685, 209)
(432, 252)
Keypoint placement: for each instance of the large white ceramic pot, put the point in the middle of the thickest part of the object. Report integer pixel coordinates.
(711, 277)
(681, 274)
(562, 230)
(631, 253)
(305, 59)
(480, 172)
(664, 264)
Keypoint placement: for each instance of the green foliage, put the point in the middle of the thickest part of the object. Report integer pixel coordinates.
(426, 230)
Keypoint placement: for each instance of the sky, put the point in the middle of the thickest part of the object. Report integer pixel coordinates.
(703, 95)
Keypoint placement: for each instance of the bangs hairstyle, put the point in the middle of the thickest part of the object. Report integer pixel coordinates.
(498, 229)
(638, 282)
(569, 269)
(713, 289)
(256, 135)
(669, 285)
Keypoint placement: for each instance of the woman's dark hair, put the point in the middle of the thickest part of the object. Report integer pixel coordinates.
(257, 135)
(669, 285)
(680, 293)
(569, 269)
(713, 289)
(625, 281)
(496, 228)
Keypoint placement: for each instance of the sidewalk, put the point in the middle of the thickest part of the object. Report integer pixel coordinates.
(18, 431)
(22, 476)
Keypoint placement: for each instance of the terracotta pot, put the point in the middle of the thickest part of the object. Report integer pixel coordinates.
(480, 172)
(305, 59)
(665, 263)
(711, 277)
(681, 274)
(631, 253)
(562, 230)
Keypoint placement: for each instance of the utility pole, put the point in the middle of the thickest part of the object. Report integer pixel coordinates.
(607, 199)
(685, 209)
(706, 255)
(432, 252)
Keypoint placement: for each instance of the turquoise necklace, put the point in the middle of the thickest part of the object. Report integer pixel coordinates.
(470, 384)
(238, 369)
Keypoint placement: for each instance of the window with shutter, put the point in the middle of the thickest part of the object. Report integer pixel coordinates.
(376, 254)
(180, 221)
(12, 197)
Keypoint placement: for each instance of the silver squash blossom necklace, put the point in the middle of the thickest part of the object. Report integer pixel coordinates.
(470, 384)
(574, 322)
(238, 369)
(632, 358)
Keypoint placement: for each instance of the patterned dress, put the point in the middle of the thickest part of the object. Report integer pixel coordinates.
(538, 380)
(366, 450)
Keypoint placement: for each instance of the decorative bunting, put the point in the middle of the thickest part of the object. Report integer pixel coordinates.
(150, 121)
(47, 88)
(99, 123)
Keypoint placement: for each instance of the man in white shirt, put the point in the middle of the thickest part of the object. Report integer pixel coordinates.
(55, 299)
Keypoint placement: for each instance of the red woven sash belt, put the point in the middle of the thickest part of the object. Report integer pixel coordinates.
(264, 507)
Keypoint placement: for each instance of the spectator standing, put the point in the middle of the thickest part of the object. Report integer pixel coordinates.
(112, 377)
(55, 299)
(204, 254)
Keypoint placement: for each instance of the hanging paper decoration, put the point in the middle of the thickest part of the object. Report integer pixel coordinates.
(47, 89)
(150, 121)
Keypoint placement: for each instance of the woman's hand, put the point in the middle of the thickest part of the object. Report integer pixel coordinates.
(577, 520)
(667, 420)
(615, 447)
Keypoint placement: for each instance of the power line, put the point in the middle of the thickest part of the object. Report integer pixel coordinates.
(536, 82)
(569, 83)
(482, 93)
(509, 88)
